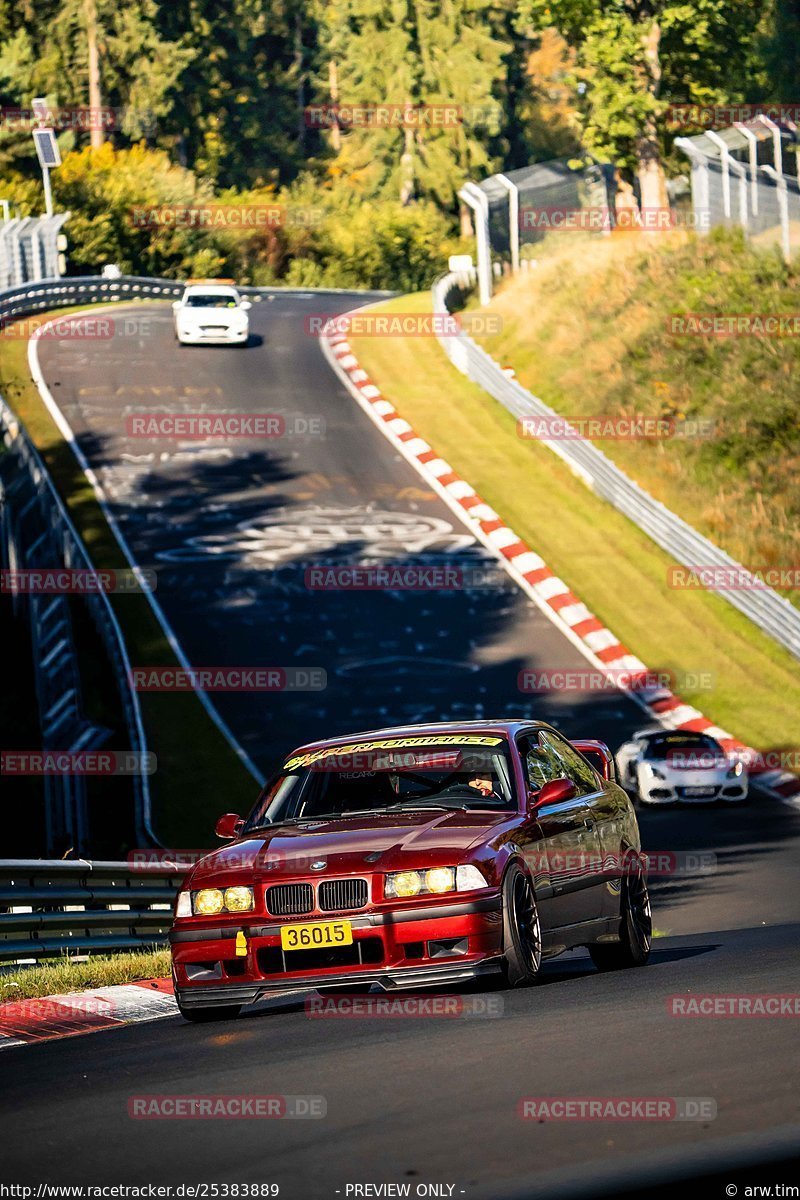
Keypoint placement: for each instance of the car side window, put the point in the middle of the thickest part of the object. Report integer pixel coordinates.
(582, 775)
(541, 762)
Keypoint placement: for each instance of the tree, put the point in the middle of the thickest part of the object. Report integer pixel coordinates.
(237, 118)
(445, 64)
(81, 53)
(637, 56)
(778, 48)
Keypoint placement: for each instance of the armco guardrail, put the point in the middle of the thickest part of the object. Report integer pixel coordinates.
(50, 908)
(765, 608)
(56, 670)
(30, 298)
(62, 722)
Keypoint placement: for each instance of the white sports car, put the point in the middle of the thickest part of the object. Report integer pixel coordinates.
(213, 313)
(664, 766)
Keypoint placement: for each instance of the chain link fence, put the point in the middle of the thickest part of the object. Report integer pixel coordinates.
(747, 176)
(29, 249)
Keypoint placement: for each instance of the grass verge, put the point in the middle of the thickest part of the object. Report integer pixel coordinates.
(609, 564)
(67, 975)
(198, 775)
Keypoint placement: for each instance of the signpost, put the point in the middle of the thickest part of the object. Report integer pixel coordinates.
(46, 150)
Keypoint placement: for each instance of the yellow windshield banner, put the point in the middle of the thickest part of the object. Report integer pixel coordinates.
(406, 743)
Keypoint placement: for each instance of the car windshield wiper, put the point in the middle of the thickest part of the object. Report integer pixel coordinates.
(411, 804)
(273, 824)
(376, 812)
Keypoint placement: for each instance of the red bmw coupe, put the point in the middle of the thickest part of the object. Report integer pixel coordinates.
(406, 857)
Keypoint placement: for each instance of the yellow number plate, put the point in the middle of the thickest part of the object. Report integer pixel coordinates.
(317, 935)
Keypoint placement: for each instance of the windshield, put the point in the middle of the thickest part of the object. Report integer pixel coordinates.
(352, 780)
(211, 300)
(677, 748)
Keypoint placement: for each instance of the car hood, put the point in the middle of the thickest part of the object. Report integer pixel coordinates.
(377, 843)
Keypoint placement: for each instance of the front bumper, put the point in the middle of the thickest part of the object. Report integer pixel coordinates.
(664, 791)
(389, 980)
(219, 337)
(408, 947)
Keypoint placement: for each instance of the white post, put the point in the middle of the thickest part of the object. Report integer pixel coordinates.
(513, 219)
(741, 172)
(783, 208)
(700, 191)
(753, 153)
(777, 151)
(725, 159)
(48, 194)
(472, 195)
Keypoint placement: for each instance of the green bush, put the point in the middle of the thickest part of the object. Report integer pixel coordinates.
(326, 236)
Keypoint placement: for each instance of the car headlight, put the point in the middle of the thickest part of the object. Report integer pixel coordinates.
(654, 771)
(440, 879)
(208, 901)
(404, 883)
(436, 881)
(238, 899)
(735, 771)
(183, 906)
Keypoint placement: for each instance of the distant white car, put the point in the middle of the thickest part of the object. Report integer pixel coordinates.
(212, 313)
(664, 766)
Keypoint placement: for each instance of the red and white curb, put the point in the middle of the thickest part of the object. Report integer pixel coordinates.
(552, 595)
(48, 1017)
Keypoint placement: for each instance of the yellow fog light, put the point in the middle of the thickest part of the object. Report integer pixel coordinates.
(208, 901)
(440, 879)
(238, 899)
(406, 883)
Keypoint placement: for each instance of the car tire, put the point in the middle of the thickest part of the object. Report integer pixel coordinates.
(635, 925)
(219, 1012)
(522, 935)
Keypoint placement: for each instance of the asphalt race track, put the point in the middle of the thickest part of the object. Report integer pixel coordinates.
(231, 528)
(409, 1101)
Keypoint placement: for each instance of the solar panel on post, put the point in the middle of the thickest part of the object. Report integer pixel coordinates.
(47, 148)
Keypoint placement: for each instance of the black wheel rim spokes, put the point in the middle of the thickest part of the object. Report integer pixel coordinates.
(527, 919)
(639, 906)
